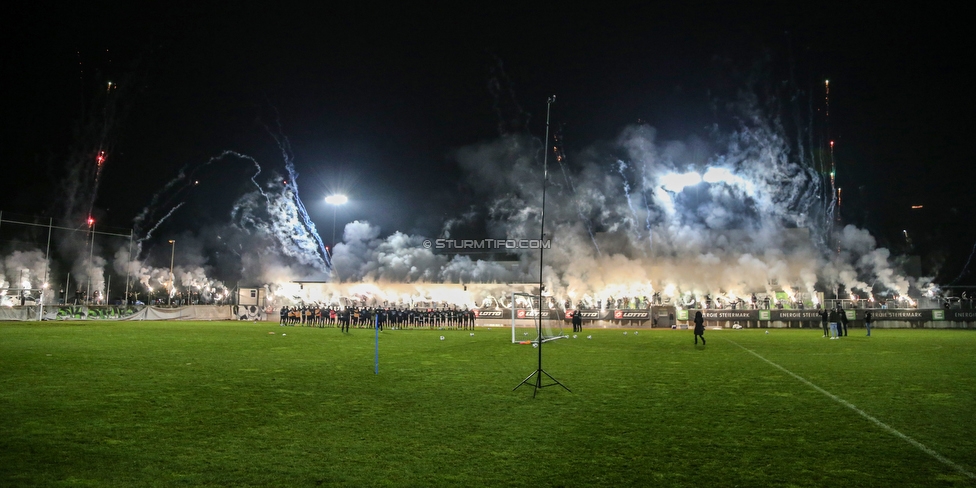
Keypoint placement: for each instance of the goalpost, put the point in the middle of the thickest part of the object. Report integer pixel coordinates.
(526, 310)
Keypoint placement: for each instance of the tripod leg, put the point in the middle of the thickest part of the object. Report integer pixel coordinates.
(555, 381)
(526, 380)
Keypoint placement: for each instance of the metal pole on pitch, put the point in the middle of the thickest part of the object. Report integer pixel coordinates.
(542, 236)
(172, 277)
(47, 267)
(542, 232)
(513, 317)
(376, 361)
(91, 252)
(128, 266)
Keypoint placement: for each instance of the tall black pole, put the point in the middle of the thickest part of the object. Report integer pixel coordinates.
(542, 236)
(542, 222)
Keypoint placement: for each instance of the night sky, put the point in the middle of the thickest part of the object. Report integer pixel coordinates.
(376, 101)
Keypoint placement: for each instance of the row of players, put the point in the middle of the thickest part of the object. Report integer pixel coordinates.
(319, 316)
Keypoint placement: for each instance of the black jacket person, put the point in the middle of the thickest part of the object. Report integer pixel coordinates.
(699, 327)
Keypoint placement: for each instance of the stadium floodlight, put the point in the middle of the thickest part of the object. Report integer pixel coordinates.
(336, 199)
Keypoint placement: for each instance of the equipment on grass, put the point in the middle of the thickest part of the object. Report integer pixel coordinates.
(544, 308)
(526, 312)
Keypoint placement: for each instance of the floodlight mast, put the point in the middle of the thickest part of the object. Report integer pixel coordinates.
(335, 201)
(542, 237)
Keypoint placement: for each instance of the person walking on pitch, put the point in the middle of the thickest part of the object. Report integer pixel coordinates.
(699, 327)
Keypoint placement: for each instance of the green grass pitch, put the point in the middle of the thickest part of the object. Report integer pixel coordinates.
(228, 404)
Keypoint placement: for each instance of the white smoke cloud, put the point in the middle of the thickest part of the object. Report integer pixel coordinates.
(21, 271)
(629, 217)
(619, 228)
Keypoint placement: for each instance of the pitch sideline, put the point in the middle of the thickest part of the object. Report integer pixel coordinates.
(860, 412)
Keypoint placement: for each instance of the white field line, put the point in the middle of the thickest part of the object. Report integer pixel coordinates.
(860, 412)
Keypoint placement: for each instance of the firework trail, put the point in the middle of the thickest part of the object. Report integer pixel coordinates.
(170, 192)
(160, 222)
(621, 166)
(304, 224)
(96, 134)
(96, 138)
(511, 118)
(965, 266)
(647, 211)
(561, 159)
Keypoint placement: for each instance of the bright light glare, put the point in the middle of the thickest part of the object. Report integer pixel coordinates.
(718, 175)
(336, 199)
(670, 290)
(675, 182)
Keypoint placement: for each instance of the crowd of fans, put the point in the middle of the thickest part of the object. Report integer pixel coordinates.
(644, 302)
